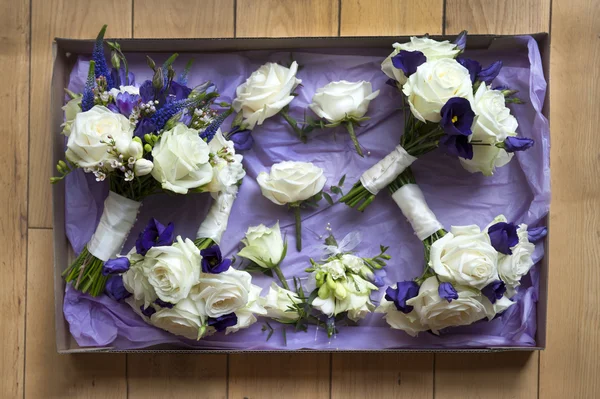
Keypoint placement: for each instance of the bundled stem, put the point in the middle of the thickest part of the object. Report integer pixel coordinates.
(350, 127)
(298, 228)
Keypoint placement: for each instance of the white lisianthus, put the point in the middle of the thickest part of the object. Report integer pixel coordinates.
(407, 322)
(88, 141)
(186, 319)
(227, 165)
(181, 160)
(173, 270)
(223, 293)
(264, 246)
(143, 167)
(465, 256)
(338, 101)
(278, 303)
(72, 108)
(437, 313)
(433, 84)
(265, 92)
(136, 281)
(246, 315)
(291, 182)
(431, 49)
(114, 92)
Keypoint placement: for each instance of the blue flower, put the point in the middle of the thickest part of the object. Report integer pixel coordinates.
(457, 146)
(472, 66)
(404, 291)
(222, 322)
(179, 91)
(211, 130)
(408, 61)
(503, 237)
(126, 102)
(512, 144)
(149, 311)
(118, 76)
(115, 266)
(457, 117)
(461, 40)
(163, 304)
(155, 234)
(115, 289)
(536, 233)
(242, 140)
(144, 126)
(446, 291)
(87, 100)
(494, 290)
(478, 73)
(212, 260)
(98, 57)
(147, 91)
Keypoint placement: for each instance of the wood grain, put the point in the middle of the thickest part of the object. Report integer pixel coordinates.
(487, 375)
(569, 368)
(507, 17)
(14, 64)
(271, 18)
(48, 374)
(278, 375)
(176, 376)
(385, 375)
(59, 18)
(183, 18)
(391, 17)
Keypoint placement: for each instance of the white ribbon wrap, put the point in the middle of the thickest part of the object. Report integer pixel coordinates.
(215, 223)
(117, 219)
(412, 203)
(385, 171)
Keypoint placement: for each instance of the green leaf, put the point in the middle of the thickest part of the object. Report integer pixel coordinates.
(328, 198)
(342, 180)
(336, 190)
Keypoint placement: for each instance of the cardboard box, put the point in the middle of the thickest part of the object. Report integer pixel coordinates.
(64, 54)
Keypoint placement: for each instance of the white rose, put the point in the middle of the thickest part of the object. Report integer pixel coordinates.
(266, 92)
(185, 319)
(246, 315)
(290, 182)
(437, 313)
(173, 270)
(124, 89)
(511, 268)
(337, 101)
(465, 256)
(486, 158)
(278, 303)
(431, 49)
(223, 293)
(87, 145)
(181, 160)
(227, 165)
(407, 322)
(263, 245)
(433, 85)
(72, 108)
(143, 167)
(136, 282)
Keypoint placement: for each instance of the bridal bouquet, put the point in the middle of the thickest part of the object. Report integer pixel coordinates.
(448, 103)
(470, 274)
(159, 137)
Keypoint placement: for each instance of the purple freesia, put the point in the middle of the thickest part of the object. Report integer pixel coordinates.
(179, 91)
(446, 291)
(408, 61)
(126, 102)
(147, 91)
(494, 290)
(154, 234)
(144, 126)
(212, 260)
(118, 76)
(536, 233)
(503, 237)
(458, 146)
(242, 140)
(115, 289)
(404, 291)
(186, 118)
(512, 144)
(115, 266)
(113, 108)
(222, 322)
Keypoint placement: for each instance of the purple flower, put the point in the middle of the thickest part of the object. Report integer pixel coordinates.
(115, 289)
(391, 82)
(512, 144)
(408, 61)
(118, 76)
(536, 233)
(155, 234)
(472, 66)
(242, 140)
(144, 126)
(186, 118)
(461, 40)
(113, 108)
(404, 291)
(503, 237)
(126, 102)
(115, 266)
(179, 91)
(212, 260)
(457, 117)
(447, 292)
(147, 91)
(222, 322)
(149, 311)
(163, 304)
(457, 146)
(98, 57)
(487, 75)
(494, 290)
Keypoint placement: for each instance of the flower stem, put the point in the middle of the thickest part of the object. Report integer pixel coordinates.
(350, 128)
(292, 122)
(281, 277)
(298, 228)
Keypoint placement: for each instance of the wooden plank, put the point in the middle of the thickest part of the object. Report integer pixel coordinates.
(391, 17)
(171, 375)
(273, 18)
(14, 88)
(59, 18)
(183, 18)
(48, 374)
(279, 375)
(569, 368)
(501, 17)
(383, 375)
(510, 375)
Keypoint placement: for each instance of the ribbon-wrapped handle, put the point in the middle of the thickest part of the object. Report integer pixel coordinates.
(412, 203)
(215, 223)
(378, 176)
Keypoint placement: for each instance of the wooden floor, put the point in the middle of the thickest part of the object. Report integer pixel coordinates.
(30, 367)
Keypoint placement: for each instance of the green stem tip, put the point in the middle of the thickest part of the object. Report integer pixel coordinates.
(298, 228)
